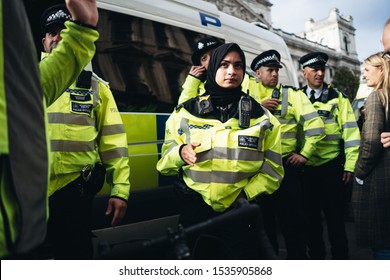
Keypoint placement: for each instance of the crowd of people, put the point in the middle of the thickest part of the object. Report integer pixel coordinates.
(320, 152)
(232, 139)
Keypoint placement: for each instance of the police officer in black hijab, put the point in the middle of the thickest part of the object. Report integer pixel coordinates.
(236, 139)
(221, 99)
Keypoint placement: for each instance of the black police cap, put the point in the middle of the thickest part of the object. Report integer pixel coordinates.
(267, 58)
(314, 59)
(202, 46)
(56, 14)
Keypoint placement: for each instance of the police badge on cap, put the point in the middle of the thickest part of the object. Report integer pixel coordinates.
(203, 46)
(57, 14)
(314, 59)
(267, 58)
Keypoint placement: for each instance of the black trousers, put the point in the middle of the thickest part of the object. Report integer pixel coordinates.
(69, 235)
(285, 208)
(234, 240)
(324, 192)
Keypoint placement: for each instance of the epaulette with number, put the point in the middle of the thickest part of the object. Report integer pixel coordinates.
(185, 104)
(292, 87)
(179, 106)
(84, 79)
(100, 79)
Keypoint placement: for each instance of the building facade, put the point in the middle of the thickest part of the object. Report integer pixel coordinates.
(334, 35)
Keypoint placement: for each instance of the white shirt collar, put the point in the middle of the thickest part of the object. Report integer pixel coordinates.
(317, 93)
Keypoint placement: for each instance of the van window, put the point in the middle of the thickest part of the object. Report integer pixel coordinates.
(145, 62)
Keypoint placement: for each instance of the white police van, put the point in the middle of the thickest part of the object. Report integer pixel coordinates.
(144, 52)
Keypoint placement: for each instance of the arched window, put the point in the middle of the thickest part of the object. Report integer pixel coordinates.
(346, 42)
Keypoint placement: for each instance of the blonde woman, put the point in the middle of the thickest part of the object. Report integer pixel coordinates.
(371, 193)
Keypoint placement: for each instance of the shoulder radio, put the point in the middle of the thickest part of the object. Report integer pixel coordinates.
(244, 110)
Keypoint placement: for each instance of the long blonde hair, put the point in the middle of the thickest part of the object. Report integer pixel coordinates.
(383, 85)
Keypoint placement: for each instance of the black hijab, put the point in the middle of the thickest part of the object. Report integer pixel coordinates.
(220, 95)
(221, 98)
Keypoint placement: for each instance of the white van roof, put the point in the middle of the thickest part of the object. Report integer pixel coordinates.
(204, 17)
(184, 14)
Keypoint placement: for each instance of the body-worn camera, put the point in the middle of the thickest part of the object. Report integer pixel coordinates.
(204, 105)
(276, 93)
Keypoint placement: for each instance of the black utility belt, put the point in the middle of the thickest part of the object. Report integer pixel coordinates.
(85, 175)
(90, 181)
(181, 188)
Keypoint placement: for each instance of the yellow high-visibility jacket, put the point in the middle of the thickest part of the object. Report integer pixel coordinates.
(85, 127)
(295, 113)
(230, 159)
(24, 159)
(341, 129)
(191, 88)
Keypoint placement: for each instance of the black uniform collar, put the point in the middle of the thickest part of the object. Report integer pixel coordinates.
(193, 106)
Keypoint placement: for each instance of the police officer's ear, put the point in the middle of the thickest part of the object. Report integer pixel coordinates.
(258, 72)
(43, 43)
(304, 72)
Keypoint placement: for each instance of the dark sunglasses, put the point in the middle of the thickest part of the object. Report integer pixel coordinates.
(386, 55)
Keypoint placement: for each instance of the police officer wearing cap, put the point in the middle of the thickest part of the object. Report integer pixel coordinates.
(194, 83)
(291, 107)
(26, 90)
(331, 167)
(227, 148)
(85, 129)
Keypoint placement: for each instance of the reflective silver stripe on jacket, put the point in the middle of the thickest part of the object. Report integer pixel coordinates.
(172, 144)
(67, 118)
(266, 168)
(332, 137)
(314, 131)
(72, 146)
(95, 91)
(274, 157)
(287, 135)
(112, 129)
(264, 125)
(329, 121)
(284, 102)
(230, 154)
(114, 153)
(349, 125)
(184, 127)
(310, 116)
(222, 177)
(351, 143)
(287, 121)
